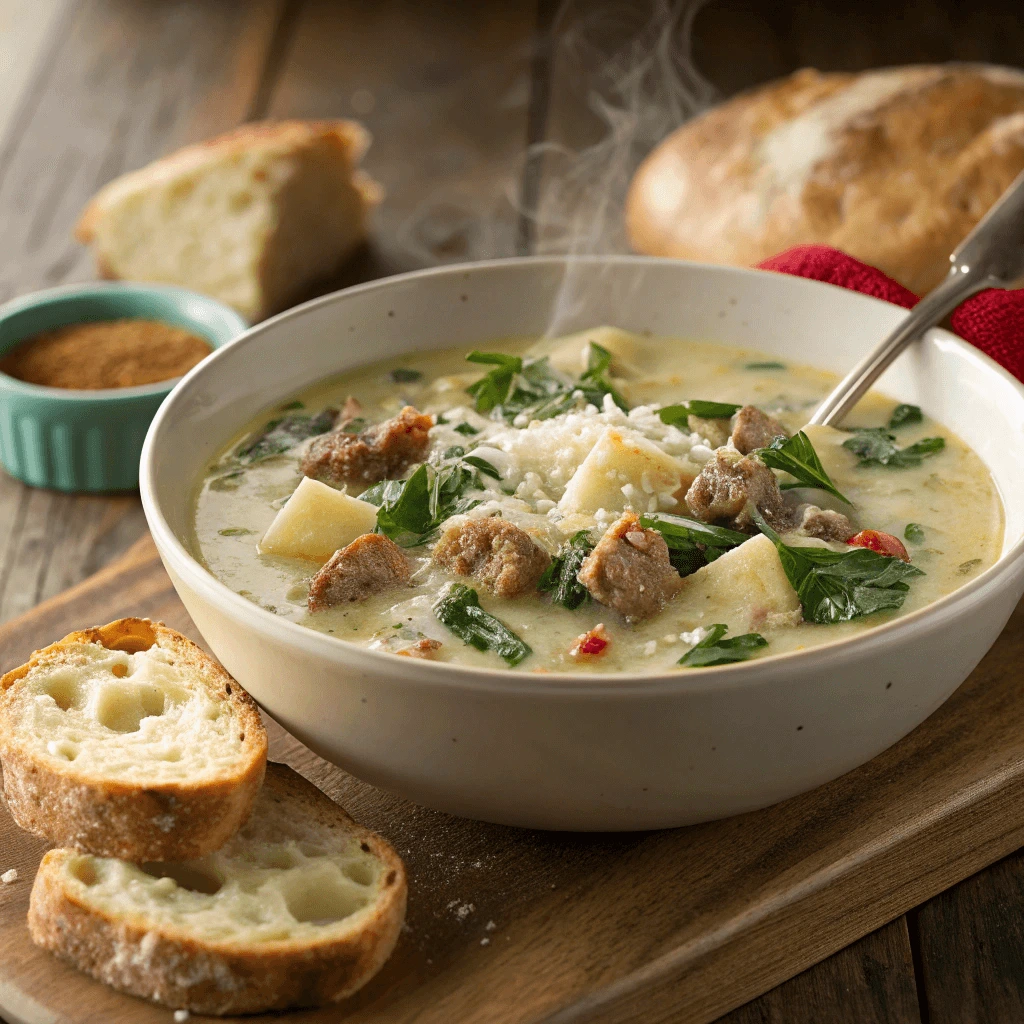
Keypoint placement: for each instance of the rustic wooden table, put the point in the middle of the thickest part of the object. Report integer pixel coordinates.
(454, 94)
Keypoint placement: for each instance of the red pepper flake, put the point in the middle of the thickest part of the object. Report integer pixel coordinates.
(883, 543)
(594, 642)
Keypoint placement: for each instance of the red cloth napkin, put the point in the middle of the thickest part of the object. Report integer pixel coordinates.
(993, 320)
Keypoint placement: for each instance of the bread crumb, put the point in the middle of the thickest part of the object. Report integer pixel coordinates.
(180, 1015)
(9, 876)
(490, 926)
(461, 910)
(485, 942)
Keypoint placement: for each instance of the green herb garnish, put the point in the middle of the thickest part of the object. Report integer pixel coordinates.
(836, 586)
(875, 446)
(404, 375)
(914, 533)
(458, 608)
(295, 404)
(560, 577)
(410, 511)
(691, 543)
(904, 414)
(532, 388)
(677, 415)
(234, 531)
(466, 430)
(713, 650)
(796, 455)
(772, 364)
(283, 433)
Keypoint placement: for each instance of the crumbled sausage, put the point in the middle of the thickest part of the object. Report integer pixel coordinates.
(753, 429)
(823, 523)
(726, 484)
(629, 570)
(370, 564)
(495, 552)
(381, 452)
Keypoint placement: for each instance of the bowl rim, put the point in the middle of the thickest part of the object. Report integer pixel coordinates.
(759, 671)
(46, 296)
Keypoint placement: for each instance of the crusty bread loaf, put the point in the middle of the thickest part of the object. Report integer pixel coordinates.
(893, 166)
(253, 217)
(301, 908)
(129, 741)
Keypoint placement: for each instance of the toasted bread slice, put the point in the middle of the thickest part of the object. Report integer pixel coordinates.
(253, 217)
(301, 908)
(129, 741)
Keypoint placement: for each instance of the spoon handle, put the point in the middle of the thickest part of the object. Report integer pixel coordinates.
(990, 256)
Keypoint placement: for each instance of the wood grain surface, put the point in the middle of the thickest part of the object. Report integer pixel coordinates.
(679, 925)
(452, 92)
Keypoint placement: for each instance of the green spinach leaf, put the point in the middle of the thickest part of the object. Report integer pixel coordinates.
(914, 533)
(283, 433)
(458, 608)
(404, 375)
(904, 414)
(560, 577)
(875, 446)
(678, 415)
(796, 455)
(691, 543)
(713, 650)
(836, 586)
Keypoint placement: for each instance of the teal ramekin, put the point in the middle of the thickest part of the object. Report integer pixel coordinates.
(91, 440)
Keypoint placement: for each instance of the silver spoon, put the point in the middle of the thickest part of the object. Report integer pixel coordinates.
(991, 256)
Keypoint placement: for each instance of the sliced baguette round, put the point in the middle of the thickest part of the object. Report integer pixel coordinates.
(128, 740)
(253, 217)
(300, 909)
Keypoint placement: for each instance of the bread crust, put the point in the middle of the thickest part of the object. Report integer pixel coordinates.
(349, 137)
(893, 166)
(172, 967)
(114, 818)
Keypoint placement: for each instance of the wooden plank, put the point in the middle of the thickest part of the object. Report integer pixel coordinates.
(679, 925)
(122, 83)
(970, 942)
(870, 982)
(444, 93)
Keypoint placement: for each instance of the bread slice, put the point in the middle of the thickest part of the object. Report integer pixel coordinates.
(253, 217)
(301, 908)
(129, 741)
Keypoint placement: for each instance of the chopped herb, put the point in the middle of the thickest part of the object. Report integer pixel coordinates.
(458, 608)
(713, 650)
(356, 425)
(677, 415)
(410, 511)
(283, 433)
(966, 568)
(836, 586)
(875, 446)
(560, 577)
(904, 414)
(769, 365)
(532, 388)
(691, 543)
(796, 455)
(234, 531)
(296, 404)
(914, 533)
(404, 375)
(465, 429)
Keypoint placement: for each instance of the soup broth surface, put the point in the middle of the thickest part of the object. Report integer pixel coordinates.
(945, 507)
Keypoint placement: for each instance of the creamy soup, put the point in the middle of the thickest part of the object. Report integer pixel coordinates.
(605, 502)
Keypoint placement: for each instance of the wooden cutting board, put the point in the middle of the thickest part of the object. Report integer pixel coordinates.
(510, 927)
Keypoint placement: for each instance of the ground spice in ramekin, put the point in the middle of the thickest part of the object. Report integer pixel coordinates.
(105, 354)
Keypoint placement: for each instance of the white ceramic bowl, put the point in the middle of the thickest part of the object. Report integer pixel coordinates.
(560, 751)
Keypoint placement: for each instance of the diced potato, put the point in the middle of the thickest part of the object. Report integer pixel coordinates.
(316, 521)
(619, 461)
(746, 588)
(569, 354)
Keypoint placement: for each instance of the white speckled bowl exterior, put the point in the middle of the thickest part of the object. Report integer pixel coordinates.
(555, 750)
